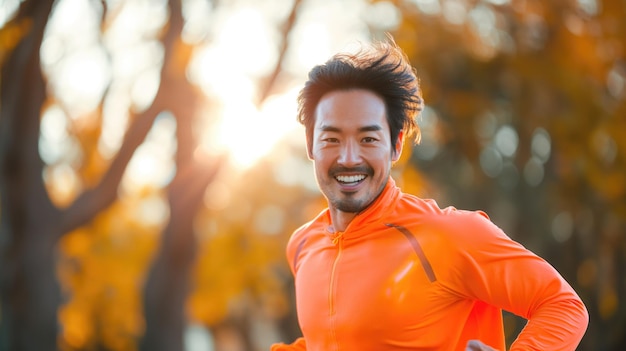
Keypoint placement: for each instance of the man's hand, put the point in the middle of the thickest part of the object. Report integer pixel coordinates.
(475, 345)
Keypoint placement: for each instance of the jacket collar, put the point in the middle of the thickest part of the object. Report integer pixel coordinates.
(373, 213)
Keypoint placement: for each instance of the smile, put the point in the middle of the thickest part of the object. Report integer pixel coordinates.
(350, 179)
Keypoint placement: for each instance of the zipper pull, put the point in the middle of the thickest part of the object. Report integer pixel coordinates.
(337, 238)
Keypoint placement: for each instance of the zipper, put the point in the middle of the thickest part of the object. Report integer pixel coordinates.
(332, 288)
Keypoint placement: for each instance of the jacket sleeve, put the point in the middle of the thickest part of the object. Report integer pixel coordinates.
(491, 267)
(298, 345)
(293, 247)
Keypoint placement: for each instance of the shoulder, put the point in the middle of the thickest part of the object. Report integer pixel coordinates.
(300, 235)
(428, 210)
(412, 206)
(468, 228)
(449, 224)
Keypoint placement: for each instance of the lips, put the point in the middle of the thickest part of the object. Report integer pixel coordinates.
(350, 179)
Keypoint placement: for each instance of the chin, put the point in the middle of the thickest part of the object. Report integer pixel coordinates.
(351, 206)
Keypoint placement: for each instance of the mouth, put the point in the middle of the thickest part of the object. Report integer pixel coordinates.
(350, 180)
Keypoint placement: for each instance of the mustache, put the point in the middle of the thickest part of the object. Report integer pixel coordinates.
(341, 169)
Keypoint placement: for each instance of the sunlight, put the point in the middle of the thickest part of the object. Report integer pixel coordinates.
(153, 164)
(246, 134)
(83, 78)
(124, 63)
(248, 48)
(76, 65)
(7, 10)
(229, 70)
(227, 67)
(63, 183)
(213, 72)
(317, 47)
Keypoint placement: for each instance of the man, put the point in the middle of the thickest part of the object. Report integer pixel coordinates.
(383, 270)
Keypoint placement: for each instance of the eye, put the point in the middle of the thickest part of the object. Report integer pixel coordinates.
(369, 140)
(330, 140)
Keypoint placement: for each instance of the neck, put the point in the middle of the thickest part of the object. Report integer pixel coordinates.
(340, 219)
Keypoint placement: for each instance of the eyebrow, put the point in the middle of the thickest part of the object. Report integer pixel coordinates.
(369, 128)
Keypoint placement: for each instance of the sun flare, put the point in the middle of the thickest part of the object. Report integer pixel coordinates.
(246, 134)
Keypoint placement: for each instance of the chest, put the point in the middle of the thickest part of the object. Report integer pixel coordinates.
(381, 289)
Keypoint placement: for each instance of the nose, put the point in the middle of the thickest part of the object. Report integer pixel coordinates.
(350, 154)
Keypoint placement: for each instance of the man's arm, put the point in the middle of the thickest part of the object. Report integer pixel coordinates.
(557, 324)
(495, 269)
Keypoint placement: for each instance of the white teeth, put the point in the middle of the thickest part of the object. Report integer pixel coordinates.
(351, 178)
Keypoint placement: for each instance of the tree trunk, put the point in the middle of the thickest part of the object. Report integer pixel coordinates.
(166, 288)
(29, 222)
(30, 225)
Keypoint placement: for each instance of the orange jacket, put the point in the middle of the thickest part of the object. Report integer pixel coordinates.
(407, 275)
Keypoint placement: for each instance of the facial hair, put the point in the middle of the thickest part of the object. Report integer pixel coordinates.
(348, 203)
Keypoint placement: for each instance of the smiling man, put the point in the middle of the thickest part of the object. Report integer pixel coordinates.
(353, 151)
(383, 270)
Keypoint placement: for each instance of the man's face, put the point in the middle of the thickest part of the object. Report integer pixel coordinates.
(351, 148)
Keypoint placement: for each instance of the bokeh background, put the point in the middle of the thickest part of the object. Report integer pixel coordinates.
(151, 168)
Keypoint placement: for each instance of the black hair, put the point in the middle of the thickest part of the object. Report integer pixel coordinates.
(383, 69)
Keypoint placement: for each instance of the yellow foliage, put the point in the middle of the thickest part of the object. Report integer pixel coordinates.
(608, 303)
(236, 265)
(77, 243)
(224, 271)
(411, 181)
(587, 273)
(102, 268)
(77, 330)
(87, 131)
(208, 310)
(610, 184)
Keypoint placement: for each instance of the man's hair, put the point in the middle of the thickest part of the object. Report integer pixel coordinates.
(383, 69)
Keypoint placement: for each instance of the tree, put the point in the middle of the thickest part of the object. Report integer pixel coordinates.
(31, 224)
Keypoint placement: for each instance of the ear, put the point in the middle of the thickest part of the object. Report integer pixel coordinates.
(397, 150)
(309, 147)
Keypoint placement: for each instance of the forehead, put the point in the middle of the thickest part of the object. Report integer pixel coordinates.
(347, 109)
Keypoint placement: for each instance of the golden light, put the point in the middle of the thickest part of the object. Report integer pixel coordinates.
(247, 134)
(152, 163)
(229, 70)
(247, 48)
(125, 63)
(317, 48)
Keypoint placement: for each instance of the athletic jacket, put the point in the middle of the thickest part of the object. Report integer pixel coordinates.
(407, 275)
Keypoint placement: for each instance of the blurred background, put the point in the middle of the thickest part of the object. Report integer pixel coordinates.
(152, 171)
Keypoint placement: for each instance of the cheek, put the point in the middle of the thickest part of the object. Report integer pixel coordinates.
(322, 153)
(321, 160)
(316, 155)
(383, 156)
